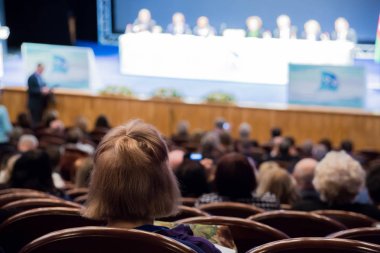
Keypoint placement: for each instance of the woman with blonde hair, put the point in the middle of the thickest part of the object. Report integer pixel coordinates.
(132, 185)
(278, 182)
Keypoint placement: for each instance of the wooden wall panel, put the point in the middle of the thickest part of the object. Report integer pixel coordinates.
(302, 123)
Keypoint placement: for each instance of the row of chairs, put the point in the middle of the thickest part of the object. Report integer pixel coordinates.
(239, 210)
(24, 227)
(256, 230)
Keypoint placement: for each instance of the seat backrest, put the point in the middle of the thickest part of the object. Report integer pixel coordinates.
(22, 228)
(184, 213)
(27, 204)
(230, 209)
(188, 201)
(299, 224)
(371, 235)
(100, 240)
(246, 234)
(81, 199)
(10, 197)
(316, 245)
(76, 192)
(349, 219)
(18, 206)
(17, 190)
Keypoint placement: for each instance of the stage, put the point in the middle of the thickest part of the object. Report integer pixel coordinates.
(193, 91)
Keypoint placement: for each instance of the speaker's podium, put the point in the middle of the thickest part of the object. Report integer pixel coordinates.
(338, 86)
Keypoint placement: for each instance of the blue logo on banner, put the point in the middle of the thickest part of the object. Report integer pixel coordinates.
(60, 64)
(329, 81)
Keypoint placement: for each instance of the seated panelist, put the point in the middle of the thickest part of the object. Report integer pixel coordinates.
(343, 32)
(178, 25)
(312, 30)
(254, 27)
(143, 23)
(284, 29)
(203, 28)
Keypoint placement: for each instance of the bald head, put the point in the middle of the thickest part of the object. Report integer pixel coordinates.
(304, 173)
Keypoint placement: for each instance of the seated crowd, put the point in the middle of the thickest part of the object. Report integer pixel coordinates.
(130, 172)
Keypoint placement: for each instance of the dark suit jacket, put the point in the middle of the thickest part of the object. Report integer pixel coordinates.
(36, 100)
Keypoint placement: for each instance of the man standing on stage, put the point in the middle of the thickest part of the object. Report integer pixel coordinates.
(37, 95)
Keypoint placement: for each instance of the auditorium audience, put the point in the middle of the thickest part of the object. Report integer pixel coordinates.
(83, 168)
(34, 171)
(24, 122)
(102, 122)
(278, 182)
(373, 183)
(327, 143)
(338, 179)
(203, 27)
(347, 146)
(26, 143)
(182, 135)
(132, 185)
(304, 174)
(235, 181)
(192, 178)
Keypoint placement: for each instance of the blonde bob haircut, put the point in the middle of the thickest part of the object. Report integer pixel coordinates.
(338, 178)
(131, 179)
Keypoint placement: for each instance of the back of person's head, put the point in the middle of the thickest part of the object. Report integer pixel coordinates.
(327, 143)
(131, 179)
(319, 151)
(209, 143)
(182, 128)
(74, 135)
(83, 168)
(219, 123)
(192, 179)
(304, 173)
(23, 120)
(275, 132)
(307, 148)
(102, 122)
(235, 177)
(338, 178)
(284, 147)
(49, 117)
(347, 145)
(244, 130)
(81, 123)
(225, 138)
(54, 153)
(373, 183)
(278, 182)
(33, 171)
(27, 142)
